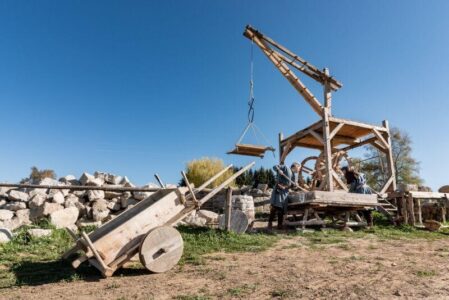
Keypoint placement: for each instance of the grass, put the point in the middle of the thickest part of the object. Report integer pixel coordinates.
(200, 241)
(426, 273)
(34, 261)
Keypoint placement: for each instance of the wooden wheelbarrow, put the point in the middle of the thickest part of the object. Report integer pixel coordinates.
(145, 229)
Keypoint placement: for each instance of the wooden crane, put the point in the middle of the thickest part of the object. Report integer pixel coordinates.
(332, 136)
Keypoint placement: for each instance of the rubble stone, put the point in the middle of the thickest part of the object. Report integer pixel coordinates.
(58, 197)
(49, 208)
(35, 192)
(65, 217)
(37, 200)
(126, 202)
(15, 205)
(6, 215)
(16, 195)
(39, 233)
(210, 216)
(94, 195)
(126, 183)
(23, 217)
(88, 179)
(100, 210)
(48, 181)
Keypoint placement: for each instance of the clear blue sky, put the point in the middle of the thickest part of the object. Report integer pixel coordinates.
(138, 87)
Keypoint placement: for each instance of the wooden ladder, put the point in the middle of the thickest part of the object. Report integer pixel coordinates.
(387, 208)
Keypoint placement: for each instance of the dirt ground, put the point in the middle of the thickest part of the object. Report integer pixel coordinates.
(295, 268)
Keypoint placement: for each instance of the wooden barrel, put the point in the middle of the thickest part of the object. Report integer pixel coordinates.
(161, 249)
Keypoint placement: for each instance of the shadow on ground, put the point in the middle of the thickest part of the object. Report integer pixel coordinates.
(37, 273)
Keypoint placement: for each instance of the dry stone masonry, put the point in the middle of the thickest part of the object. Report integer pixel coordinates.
(66, 208)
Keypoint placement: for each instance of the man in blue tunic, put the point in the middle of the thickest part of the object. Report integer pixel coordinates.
(285, 177)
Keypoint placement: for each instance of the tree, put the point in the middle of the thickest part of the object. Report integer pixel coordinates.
(37, 175)
(406, 167)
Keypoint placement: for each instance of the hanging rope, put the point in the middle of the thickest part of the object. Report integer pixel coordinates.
(256, 131)
(251, 87)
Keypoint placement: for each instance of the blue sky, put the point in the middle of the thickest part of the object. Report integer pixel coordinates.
(138, 87)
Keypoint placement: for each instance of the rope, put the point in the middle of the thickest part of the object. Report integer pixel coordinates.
(251, 87)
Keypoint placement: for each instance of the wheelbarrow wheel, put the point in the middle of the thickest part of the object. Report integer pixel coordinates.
(161, 249)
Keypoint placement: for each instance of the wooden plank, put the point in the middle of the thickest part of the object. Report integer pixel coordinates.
(334, 198)
(428, 195)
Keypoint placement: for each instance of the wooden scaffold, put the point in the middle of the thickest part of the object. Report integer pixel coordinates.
(333, 137)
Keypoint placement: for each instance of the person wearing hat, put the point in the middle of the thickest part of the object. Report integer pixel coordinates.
(285, 178)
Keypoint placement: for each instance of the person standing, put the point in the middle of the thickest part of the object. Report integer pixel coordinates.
(285, 177)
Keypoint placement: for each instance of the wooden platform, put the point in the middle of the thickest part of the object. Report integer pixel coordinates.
(332, 199)
(250, 150)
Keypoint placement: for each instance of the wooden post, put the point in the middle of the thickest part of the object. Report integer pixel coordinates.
(327, 94)
(419, 211)
(404, 209)
(411, 210)
(304, 218)
(390, 160)
(326, 134)
(281, 150)
(228, 208)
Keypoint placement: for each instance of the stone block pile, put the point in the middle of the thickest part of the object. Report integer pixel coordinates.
(68, 208)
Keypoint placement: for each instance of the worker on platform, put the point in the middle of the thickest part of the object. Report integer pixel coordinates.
(357, 184)
(285, 178)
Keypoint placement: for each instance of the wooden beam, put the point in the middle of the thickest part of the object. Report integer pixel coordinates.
(336, 130)
(390, 160)
(381, 138)
(357, 124)
(288, 74)
(340, 183)
(387, 185)
(192, 193)
(291, 59)
(359, 144)
(316, 136)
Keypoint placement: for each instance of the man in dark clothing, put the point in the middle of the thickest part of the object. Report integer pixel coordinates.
(285, 177)
(357, 184)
